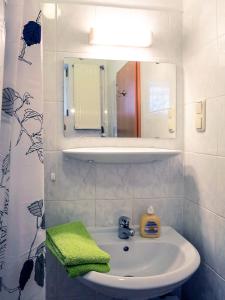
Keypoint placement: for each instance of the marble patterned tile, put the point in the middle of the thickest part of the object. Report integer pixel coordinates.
(114, 181)
(60, 212)
(159, 179)
(74, 179)
(109, 211)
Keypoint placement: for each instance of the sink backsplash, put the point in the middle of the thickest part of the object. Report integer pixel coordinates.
(99, 193)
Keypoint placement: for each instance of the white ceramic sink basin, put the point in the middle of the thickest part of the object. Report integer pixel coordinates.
(150, 268)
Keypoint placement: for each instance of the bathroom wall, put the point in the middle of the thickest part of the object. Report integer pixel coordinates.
(204, 206)
(99, 194)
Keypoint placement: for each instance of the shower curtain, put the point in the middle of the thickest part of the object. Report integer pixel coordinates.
(22, 234)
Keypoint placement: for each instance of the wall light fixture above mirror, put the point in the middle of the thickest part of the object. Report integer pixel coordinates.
(128, 37)
(110, 98)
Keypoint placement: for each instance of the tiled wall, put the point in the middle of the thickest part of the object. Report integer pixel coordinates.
(204, 205)
(99, 194)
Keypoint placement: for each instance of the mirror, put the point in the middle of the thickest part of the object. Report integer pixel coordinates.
(110, 98)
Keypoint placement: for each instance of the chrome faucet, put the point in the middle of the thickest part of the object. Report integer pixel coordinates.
(124, 228)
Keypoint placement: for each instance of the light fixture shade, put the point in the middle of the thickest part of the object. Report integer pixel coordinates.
(126, 37)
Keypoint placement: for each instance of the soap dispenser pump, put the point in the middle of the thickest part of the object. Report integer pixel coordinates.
(150, 224)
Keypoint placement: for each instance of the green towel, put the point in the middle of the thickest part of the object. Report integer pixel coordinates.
(76, 250)
(79, 270)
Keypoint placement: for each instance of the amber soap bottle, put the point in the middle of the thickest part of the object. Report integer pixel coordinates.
(150, 224)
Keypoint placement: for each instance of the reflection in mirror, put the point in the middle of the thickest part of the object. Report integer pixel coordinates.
(110, 98)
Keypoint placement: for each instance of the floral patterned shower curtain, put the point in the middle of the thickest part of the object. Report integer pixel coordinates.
(22, 234)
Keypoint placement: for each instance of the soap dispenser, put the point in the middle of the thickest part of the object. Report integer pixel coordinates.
(150, 224)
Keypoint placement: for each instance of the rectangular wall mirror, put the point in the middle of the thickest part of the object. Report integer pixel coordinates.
(112, 98)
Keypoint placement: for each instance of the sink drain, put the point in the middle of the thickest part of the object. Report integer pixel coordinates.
(128, 276)
(126, 248)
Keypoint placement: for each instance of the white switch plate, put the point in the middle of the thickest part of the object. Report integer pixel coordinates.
(198, 107)
(200, 116)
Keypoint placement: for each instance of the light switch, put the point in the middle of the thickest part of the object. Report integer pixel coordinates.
(198, 122)
(200, 116)
(198, 107)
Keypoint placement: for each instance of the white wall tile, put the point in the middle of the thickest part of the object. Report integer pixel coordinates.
(204, 73)
(73, 26)
(204, 70)
(220, 246)
(50, 166)
(49, 71)
(221, 123)
(200, 179)
(207, 141)
(220, 179)
(220, 17)
(203, 285)
(202, 230)
(197, 15)
(49, 28)
(50, 125)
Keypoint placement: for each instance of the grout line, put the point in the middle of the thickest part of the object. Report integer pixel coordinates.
(214, 99)
(117, 199)
(204, 154)
(214, 271)
(205, 208)
(112, 4)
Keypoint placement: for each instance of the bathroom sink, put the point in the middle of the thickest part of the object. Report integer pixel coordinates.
(143, 268)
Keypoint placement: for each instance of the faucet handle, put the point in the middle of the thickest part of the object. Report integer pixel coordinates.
(124, 221)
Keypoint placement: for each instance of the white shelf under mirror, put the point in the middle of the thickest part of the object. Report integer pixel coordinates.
(119, 154)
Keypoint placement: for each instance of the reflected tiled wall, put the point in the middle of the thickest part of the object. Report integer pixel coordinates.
(99, 194)
(204, 205)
